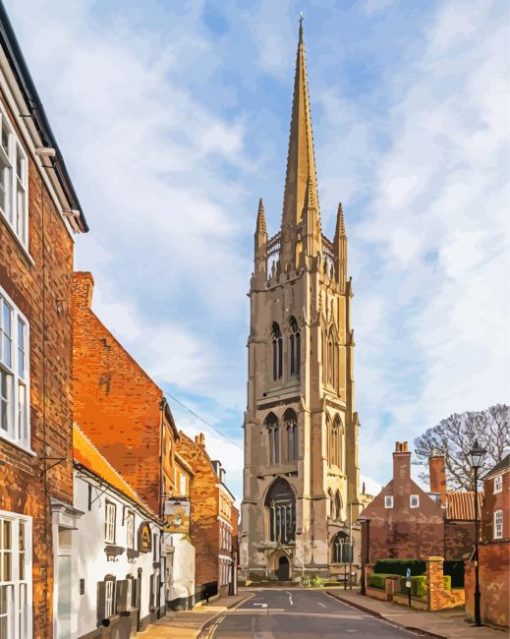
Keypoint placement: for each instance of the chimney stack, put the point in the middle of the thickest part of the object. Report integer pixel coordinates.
(401, 463)
(437, 475)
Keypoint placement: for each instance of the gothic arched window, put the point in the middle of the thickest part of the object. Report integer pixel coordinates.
(281, 502)
(337, 444)
(294, 348)
(333, 442)
(291, 428)
(331, 503)
(330, 356)
(277, 341)
(341, 549)
(273, 433)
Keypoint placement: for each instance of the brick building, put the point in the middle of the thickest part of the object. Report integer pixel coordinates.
(39, 216)
(212, 515)
(119, 406)
(405, 522)
(124, 413)
(494, 550)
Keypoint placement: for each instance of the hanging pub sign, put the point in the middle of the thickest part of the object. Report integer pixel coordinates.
(177, 516)
(144, 537)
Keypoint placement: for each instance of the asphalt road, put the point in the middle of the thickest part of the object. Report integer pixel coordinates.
(299, 614)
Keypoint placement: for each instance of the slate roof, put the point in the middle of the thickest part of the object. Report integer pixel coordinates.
(501, 467)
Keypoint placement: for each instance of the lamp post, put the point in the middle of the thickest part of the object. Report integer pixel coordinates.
(365, 550)
(476, 455)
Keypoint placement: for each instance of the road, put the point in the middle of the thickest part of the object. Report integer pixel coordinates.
(298, 614)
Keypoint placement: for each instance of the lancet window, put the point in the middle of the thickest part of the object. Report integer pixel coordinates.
(335, 431)
(273, 432)
(291, 429)
(281, 503)
(277, 343)
(294, 348)
(342, 549)
(332, 359)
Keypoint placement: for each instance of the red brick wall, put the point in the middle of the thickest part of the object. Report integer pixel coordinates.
(42, 289)
(205, 534)
(494, 584)
(402, 532)
(459, 537)
(116, 403)
(493, 502)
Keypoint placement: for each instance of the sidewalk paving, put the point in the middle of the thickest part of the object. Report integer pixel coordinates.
(187, 624)
(447, 624)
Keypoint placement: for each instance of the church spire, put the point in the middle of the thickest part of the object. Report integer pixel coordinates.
(261, 245)
(340, 249)
(301, 173)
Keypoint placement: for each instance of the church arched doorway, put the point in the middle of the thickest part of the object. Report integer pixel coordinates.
(283, 570)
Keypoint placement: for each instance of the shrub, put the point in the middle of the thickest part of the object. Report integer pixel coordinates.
(400, 566)
(418, 585)
(378, 580)
(316, 581)
(447, 582)
(305, 581)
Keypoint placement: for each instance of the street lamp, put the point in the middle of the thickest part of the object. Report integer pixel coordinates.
(476, 455)
(365, 546)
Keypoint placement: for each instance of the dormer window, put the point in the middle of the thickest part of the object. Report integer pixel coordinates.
(414, 501)
(388, 501)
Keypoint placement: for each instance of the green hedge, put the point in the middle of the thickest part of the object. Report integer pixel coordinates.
(418, 585)
(447, 582)
(455, 569)
(377, 580)
(400, 566)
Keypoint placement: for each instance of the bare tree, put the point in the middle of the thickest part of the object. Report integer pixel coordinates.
(455, 435)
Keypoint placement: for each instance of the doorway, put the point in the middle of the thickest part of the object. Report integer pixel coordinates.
(283, 570)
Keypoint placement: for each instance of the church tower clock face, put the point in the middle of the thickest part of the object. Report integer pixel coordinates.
(301, 474)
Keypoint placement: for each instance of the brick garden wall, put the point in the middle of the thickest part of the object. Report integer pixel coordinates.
(42, 292)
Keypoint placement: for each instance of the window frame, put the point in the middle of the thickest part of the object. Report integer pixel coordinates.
(497, 524)
(110, 583)
(110, 526)
(130, 530)
(18, 431)
(15, 183)
(414, 497)
(388, 501)
(497, 484)
(19, 586)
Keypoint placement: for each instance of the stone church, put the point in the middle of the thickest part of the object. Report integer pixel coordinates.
(301, 473)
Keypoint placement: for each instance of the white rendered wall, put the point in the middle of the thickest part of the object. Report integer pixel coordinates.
(89, 558)
(182, 582)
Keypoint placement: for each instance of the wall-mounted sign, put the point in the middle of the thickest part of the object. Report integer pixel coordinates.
(177, 516)
(144, 537)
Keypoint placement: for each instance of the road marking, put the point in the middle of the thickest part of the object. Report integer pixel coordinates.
(322, 605)
(290, 598)
(262, 605)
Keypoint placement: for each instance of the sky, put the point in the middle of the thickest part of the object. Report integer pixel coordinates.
(173, 118)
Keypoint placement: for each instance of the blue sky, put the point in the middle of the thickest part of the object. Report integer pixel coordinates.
(174, 118)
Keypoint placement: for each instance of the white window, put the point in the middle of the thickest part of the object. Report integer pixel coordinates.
(13, 181)
(109, 597)
(110, 516)
(15, 576)
(498, 483)
(130, 530)
(14, 374)
(414, 501)
(388, 501)
(498, 524)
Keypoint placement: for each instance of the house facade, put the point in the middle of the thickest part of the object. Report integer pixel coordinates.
(212, 514)
(405, 522)
(494, 550)
(39, 217)
(301, 471)
(116, 561)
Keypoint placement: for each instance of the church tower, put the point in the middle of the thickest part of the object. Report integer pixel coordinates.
(301, 473)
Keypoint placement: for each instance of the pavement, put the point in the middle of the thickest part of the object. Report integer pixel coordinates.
(294, 613)
(447, 624)
(188, 624)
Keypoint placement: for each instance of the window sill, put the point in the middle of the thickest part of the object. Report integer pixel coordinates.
(26, 449)
(21, 246)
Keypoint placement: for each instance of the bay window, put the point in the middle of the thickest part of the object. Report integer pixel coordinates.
(14, 374)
